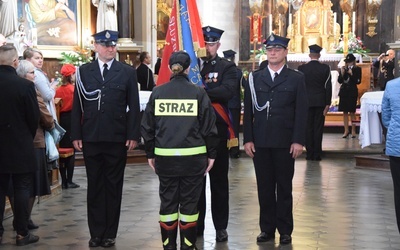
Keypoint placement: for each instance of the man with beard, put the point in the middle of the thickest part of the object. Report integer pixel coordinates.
(220, 82)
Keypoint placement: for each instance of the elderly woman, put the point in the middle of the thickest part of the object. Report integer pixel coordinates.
(41, 185)
(66, 93)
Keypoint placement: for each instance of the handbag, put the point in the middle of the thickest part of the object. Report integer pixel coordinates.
(52, 138)
(51, 148)
(57, 132)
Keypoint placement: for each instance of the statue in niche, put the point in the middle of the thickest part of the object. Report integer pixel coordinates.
(373, 9)
(106, 15)
(347, 6)
(8, 18)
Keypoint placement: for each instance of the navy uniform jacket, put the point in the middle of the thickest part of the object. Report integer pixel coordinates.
(220, 78)
(109, 120)
(235, 102)
(318, 83)
(286, 121)
(19, 119)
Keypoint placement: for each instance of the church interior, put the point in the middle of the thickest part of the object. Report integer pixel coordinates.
(365, 28)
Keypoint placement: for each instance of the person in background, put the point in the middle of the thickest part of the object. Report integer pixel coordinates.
(144, 74)
(41, 181)
(319, 92)
(386, 67)
(349, 78)
(180, 162)
(104, 125)
(66, 93)
(385, 64)
(391, 120)
(235, 104)
(220, 80)
(158, 63)
(19, 119)
(275, 120)
(42, 83)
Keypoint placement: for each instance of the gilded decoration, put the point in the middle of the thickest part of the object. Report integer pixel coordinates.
(314, 23)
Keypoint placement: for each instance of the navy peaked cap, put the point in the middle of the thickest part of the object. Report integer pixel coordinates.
(211, 34)
(106, 37)
(276, 41)
(315, 48)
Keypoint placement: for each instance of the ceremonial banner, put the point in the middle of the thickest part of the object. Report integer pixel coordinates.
(184, 33)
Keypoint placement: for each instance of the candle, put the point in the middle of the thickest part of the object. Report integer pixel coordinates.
(279, 24)
(298, 22)
(290, 19)
(345, 23)
(270, 23)
(334, 24)
(353, 23)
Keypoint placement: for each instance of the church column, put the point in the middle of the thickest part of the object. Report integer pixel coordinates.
(244, 30)
(125, 18)
(223, 14)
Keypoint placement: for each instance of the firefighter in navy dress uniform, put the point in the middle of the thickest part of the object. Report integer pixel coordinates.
(220, 81)
(235, 104)
(275, 119)
(180, 135)
(319, 92)
(104, 125)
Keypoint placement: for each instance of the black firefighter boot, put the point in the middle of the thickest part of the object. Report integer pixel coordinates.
(188, 231)
(169, 230)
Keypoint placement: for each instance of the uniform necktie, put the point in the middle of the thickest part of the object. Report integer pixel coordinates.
(275, 75)
(105, 70)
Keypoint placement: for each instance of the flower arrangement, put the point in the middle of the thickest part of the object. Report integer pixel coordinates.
(260, 51)
(334, 105)
(78, 57)
(355, 45)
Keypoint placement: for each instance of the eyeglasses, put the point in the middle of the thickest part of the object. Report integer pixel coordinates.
(31, 72)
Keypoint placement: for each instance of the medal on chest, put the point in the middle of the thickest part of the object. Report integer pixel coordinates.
(211, 77)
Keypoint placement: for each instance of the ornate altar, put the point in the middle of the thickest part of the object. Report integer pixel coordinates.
(314, 23)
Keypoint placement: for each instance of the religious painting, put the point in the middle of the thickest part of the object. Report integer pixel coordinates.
(162, 25)
(50, 24)
(164, 8)
(312, 11)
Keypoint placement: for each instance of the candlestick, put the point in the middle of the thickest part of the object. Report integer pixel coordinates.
(270, 23)
(279, 24)
(353, 23)
(334, 24)
(298, 22)
(345, 23)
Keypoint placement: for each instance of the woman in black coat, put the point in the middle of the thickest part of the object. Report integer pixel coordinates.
(349, 78)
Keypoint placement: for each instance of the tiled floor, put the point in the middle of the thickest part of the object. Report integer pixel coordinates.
(335, 207)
